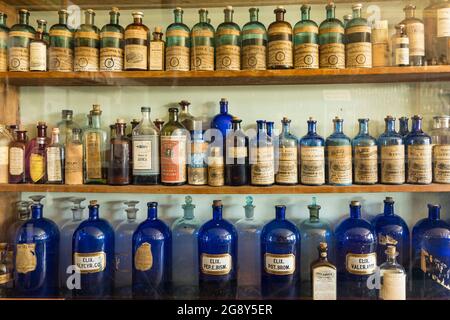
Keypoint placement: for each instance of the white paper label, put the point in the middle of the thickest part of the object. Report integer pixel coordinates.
(38, 56)
(16, 161)
(402, 56)
(142, 155)
(216, 264)
(393, 286)
(90, 262)
(361, 264)
(54, 170)
(279, 264)
(324, 283)
(443, 22)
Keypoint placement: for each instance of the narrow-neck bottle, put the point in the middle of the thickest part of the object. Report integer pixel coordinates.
(339, 156)
(74, 159)
(5, 140)
(393, 277)
(20, 36)
(159, 123)
(228, 43)
(358, 45)
(287, 173)
(415, 30)
(202, 38)
(38, 52)
(55, 157)
(37, 162)
(262, 157)
(419, 164)
(391, 152)
(323, 276)
(440, 137)
(404, 126)
(178, 44)
(306, 41)
(365, 155)
(60, 51)
(17, 159)
(312, 156)
(87, 44)
(112, 43)
(4, 34)
(185, 117)
(156, 51)
(66, 126)
(198, 162)
(222, 121)
(42, 27)
(237, 164)
(254, 43)
(119, 161)
(400, 47)
(280, 47)
(136, 42)
(331, 41)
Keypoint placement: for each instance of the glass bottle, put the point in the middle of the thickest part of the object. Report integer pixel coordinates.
(87, 44)
(112, 43)
(20, 36)
(55, 158)
(228, 43)
(313, 231)
(36, 256)
(17, 161)
(356, 255)
(198, 167)
(254, 43)
(202, 37)
(440, 137)
(4, 33)
(94, 149)
(37, 164)
(393, 277)
(12, 128)
(60, 51)
(236, 165)
(93, 241)
(156, 51)
(23, 211)
(217, 256)
(222, 121)
(443, 31)
(339, 156)
(152, 257)
(42, 27)
(159, 123)
(119, 161)
(358, 43)
(415, 30)
(418, 154)
(280, 257)
(365, 155)
(381, 51)
(38, 52)
(173, 151)
(262, 157)
(331, 41)
(280, 47)
(136, 43)
(178, 44)
(6, 271)
(41, 133)
(216, 168)
(306, 41)
(5, 140)
(312, 156)
(66, 126)
(74, 159)
(185, 252)
(400, 47)
(391, 153)
(323, 276)
(145, 140)
(346, 19)
(185, 117)
(287, 169)
(404, 126)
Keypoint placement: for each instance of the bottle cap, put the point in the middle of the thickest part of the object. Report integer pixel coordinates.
(305, 7)
(137, 14)
(96, 110)
(66, 113)
(42, 124)
(217, 203)
(145, 109)
(229, 8)
(389, 200)
(184, 103)
(355, 203)
(178, 9)
(253, 10)
(279, 9)
(389, 118)
(120, 121)
(93, 203)
(391, 251)
(223, 100)
(337, 119)
(437, 206)
(357, 6)
(90, 11)
(323, 246)
(114, 10)
(41, 21)
(201, 10)
(158, 29)
(285, 120)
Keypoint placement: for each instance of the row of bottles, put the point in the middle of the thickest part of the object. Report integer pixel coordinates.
(218, 259)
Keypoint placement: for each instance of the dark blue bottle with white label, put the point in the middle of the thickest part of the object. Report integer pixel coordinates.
(280, 257)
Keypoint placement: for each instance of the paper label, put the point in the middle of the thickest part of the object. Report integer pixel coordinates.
(366, 164)
(306, 56)
(443, 22)
(87, 34)
(228, 57)
(339, 164)
(202, 58)
(216, 264)
(279, 264)
(54, 170)
(26, 260)
(21, 34)
(216, 171)
(324, 283)
(280, 53)
(3, 60)
(111, 59)
(37, 167)
(402, 56)
(173, 159)
(60, 59)
(380, 54)
(441, 163)
(393, 164)
(86, 59)
(436, 268)
(93, 156)
(19, 59)
(156, 56)
(38, 56)
(198, 176)
(60, 33)
(5, 278)
(142, 154)
(135, 57)
(140, 33)
(90, 262)
(109, 34)
(74, 164)
(254, 57)
(312, 165)
(420, 164)
(332, 56)
(287, 170)
(16, 161)
(416, 34)
(361, 264)
(177, 58)
(359, 55)
(237, 152)
(393, 286)
(262, 172)
(4, 160)
(143, 258)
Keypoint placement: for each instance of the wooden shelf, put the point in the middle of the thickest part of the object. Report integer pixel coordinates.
(228, 78)
(299, 189)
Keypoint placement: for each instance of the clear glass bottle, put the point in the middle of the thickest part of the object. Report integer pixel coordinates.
(156, 51)
(136, 42)
(228, 43)
(66, 126)
(430, 29)
(400, 47)
(404, 126)
(287, 166)
(393, 277)
(339, 156)
(440, 136)
(74, 159)
(38, 52)
(331, 41)
(306, 41)
(391, 154)
(323, 276)
(254, 43)
(178, 44)
(17, 163)
(60, 51)
(346, 19)
(202, 38)
(443, 31)
(37, 164)
(23, 213)
(216, 168)
(55, 159)
(119, 161)
(236, 164)
(198, 167)
(381, 51)
(87, 44)
(112, 43)
(358, 43)
(20, 36)
(416, 33)
(365, 155)
(312, 156)
(5, 140)
(280, 46)
(262, 157)
(4, 33)
(185, 117)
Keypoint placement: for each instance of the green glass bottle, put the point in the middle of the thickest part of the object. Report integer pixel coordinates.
(111, 43)
(280, 51)
(20, 36)
(331, 41)
(254, 43)
(42, 26)
(228, 43)
(60, 51)
(4, 30)
(306, 41)
(358, 43)
(202, 37)
(136, 44)
(178, 44)
(87, 44)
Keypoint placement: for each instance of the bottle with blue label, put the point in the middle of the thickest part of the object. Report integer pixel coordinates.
(280, 257)
(152, 257)
(93, 255)
(217, 254)
(185, 253)
(36, 256)
(356, 256)
(222, 121)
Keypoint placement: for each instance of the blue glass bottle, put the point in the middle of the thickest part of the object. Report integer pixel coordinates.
(287, 156)
(391, 154)
(431, 256)
(36, 256)
(419, 161)
(392, 230)
(270, 127)
(356, 256)
(339, 156)
(280, 257)
(93, 254)
(312, 156)
(222, 121)
(313, 231)
(185, 252)
(152, 257)
(217, 254)
(262, 157)
(404, 126)
(365, 155)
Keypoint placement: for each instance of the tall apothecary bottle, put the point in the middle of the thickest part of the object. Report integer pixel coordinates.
(4, 34)
(287, 156)
(136, 42)
(339, 156)
(416, 33)
(178, 44)
(112, 44)
(331, 41)
(358, 45)
(202, 39)
(365, 155)
(236, 157)
(228, 43)
(391, 152)
(119, 171)
(87, 44)
(60, 51)
(280, 46)
(312, 156)
(20, 36)
(262, 157)
(254, 43)
(306, 41)
(440, 137)
(17, 159)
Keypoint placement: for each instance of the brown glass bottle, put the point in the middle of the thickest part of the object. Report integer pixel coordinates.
(119, 161)
(17, 158)
(41, 133)
(38, 168)
(323, 275)
(159, 123)
(136, 43)
(280, 50)
(185, 117)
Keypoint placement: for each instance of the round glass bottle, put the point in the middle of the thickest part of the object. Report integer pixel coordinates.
(306, 41)
(254, 43)
(339, 156)
(391, 154)
(202, 37)
(312, 156)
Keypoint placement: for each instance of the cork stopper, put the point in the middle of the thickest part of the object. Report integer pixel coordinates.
(158, 29)
(42, 124)
(55, 131)
(93, 202)
(355, 203)
(417, 117)
(96, 109)
(120, 121)
(337, 119)
(279, 9)
(217, 203)
(90, 11)
(331, 5)
(357, 6)
(235, 119)
(389, 118)
(285, 120)
(114, 10)
(391, 251)
(389, 200)
(229, 8)
(183, 103)
(178, 10)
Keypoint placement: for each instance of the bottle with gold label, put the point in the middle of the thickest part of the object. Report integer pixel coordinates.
(339, 156)
(5, 141)
(112, 44)
(152, 257)
(217, 256)
(280, 257)
(262, 157)
(136, 44)
(55, 159)
(38, 53)
(254, 43)
(216, 168)
(202, 37)
(60, 51)
(17, 163)
(280, 47)
(119, 170)
(323, 276)
(365, 155)
(4, 31)
(37, 164)
(41, 133)
(312, 156)
(287, 173)
(178, 44)
(156, 51)
(87, 44)
(418, 146)
(393, 277)
(440, 136)
(358, 42)
(93, 242)
(236, 158)
(20, 36)
(228, 43)
(416, 32)
(391, 154)
(331, 41)
(306, 41)
(74, 159)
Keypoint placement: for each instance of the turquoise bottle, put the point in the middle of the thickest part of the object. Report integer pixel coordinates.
(339, 156)
(306, 41)
(358, 45)
(178, 44)
(20, 36)
(228, 43)
(331, 40)
(202, 38)
(254, 43)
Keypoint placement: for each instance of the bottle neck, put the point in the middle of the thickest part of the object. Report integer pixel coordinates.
(120, 130)
(390, 125)
(21, 136)
(331, 13)
(55, 138)
(392, 259)
(357, 13)
(93, 213)
(286, 128)
(63, 17)
(114, 18)
(36, 211)
(417, 125)
(173, 116)
(434, 213)
(76, 137)
(3, 20)
(404, 125)
(261, 126)
(95, 121)
(137, 20)
(131, 214)
(363, 127)
(236, 126)
(355, 212)
(42, 26)
(24, 18)
(217, 213)
(178, 16)
(89, 18)
(410, 13)
(77, 214)
(279, 16)
(312, 127)
(152, 213)
(280, 213)
(67, 117)
(203, 16)
(338, 127)
(313, 213)
(146, 116)
(388, 208)
(223, 107)
(306, 14)
(228, 16)
(254, 16)
(42, 131)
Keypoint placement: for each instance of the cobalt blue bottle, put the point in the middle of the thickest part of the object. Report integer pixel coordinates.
(356, 256)
(152, 257)
(222, 121)
(93, 254)
(392, 230)
(339, 156)
(37, 256)
(391, 154)
(404, 126)
(312, 157)
(365, 156)
(280, 257)
(217, 253)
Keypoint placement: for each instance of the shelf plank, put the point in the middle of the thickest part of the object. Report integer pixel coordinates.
(228, 78)
(187, 189)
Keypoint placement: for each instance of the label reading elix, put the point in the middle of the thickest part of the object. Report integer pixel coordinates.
(324, 283)
(279, 264)
(90, 262)
(312, 165)
(393, 164)
(216, 264)
(26, 260)
(441, 165)
(419, 164)
(361, 264)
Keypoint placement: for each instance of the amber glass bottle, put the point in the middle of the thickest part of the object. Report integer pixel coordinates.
(119, 158)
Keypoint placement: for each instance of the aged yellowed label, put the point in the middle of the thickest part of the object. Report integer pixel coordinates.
(254, 57)
(361, 264)
(109, 34)
(279, 264)
(223, 32)
(306, 29)
(380, 54)
(332, 56)
(359, 55)
(136, 34)
(216, 264)
(279, 30)
(443, 22)
(4, 159)
(202, 58)
(339, 164)
(60, 59)
(54, 168)
(19, 59)
(3, 60)
(92, 262)
(87, 34)
(38, 56)
(416, 34)
(135, 57)
(393, 164)
(358, 29)
(287, 166)
(366, 164)
(156, 56)
(262, 172)
(198, 176)
(177, 33)
(111, 59)
(60, 33)
(37, 167)
(324, 283)
(312, 165)
(93, 156)
(228, 57)
(74, 164)
(207, 33)
(280, 53)
(21, 34)
(86, 59)
(441, 163)
(420, 164)
(306, 56)
(216, 171)
(393, 286)
(336, 29)
(16, 161)
(143, 258)
(177, 58)
(26, 260)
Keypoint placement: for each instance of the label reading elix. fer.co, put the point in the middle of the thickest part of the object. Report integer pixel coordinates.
(92, 262)
(216, 264)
